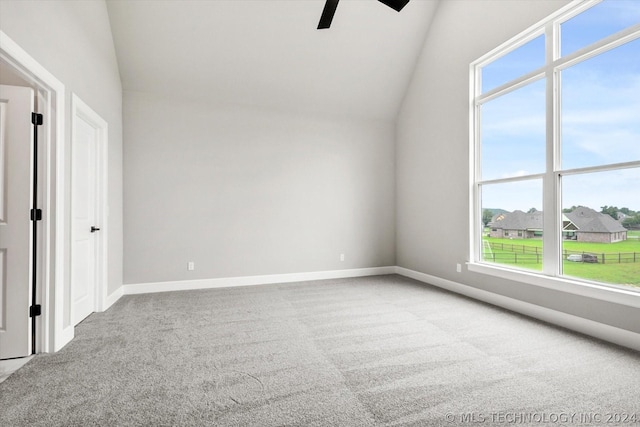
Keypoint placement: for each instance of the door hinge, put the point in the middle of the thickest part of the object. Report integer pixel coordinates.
(36, 119)
(35, 310)
(36, 214)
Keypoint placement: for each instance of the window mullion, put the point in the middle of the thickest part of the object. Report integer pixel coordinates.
(550, 188)
(476, 203)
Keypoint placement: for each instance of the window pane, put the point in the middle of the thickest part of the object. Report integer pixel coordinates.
(519, 62)
(512, 224)
(601, 226)
(513, 133)
(598, 22)
(601, 109)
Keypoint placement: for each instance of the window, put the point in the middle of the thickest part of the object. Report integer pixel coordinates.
(556, 148)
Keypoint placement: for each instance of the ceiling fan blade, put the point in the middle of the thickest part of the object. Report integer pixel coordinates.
(327, 14)
(396, 5)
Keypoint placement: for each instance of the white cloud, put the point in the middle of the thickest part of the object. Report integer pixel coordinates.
(586, 147)
(619, 188)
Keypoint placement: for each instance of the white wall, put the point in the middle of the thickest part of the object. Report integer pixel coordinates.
(244, 191)
(432, 173)
(72, 40)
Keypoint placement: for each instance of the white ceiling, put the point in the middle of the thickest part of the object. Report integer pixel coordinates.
(268, 53)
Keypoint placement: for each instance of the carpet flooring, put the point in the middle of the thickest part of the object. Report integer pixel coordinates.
(372, 351)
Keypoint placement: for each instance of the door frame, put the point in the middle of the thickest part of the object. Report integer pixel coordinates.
(80, 110)
(52, 327)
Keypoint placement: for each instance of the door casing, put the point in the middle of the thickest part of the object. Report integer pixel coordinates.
(53, 329)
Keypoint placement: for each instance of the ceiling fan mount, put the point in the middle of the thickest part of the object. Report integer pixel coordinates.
(331, 5)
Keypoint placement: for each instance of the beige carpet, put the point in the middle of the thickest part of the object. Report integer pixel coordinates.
(381, 350)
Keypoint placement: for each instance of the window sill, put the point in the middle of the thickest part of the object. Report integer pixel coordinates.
(609, 293)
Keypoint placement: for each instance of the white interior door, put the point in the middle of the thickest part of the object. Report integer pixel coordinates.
(84, 219)
(16, 142)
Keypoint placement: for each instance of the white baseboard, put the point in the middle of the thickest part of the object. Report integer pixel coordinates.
(111, 299)
(604, 332)
(63, 338)
(226, 282)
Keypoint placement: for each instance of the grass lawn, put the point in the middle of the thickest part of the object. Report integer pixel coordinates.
(626, 273)
(622, 274)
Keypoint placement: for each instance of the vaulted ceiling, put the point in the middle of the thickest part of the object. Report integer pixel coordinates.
(269, 54)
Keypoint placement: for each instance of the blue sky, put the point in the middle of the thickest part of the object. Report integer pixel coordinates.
(600, 117)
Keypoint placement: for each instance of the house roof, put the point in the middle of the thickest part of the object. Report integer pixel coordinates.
(270, 54)
(519, 220)
(588, 220)
(585, 220)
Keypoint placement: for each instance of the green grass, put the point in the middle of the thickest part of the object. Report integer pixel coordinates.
(622, 274)
(624, 246)
(626, 273)
(629, 245)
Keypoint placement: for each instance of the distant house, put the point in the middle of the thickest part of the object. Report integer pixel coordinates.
(582, 224)
(587, 225)
(517, 224)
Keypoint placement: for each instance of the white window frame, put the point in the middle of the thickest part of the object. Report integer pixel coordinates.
(550, 277)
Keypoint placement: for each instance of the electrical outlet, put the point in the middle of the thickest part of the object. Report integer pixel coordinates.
(191, 266)
(459, 268)
(341, 257)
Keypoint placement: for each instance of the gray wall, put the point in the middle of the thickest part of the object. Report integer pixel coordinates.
(244, 191)
(432, 223)
(72, 40)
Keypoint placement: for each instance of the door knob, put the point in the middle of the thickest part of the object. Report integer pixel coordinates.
(94, 229)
